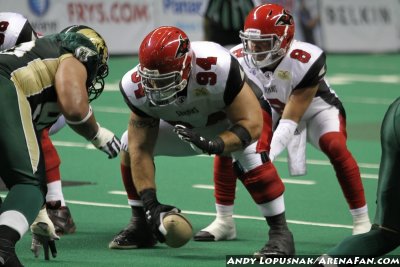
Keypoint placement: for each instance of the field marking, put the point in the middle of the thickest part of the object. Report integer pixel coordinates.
(341, 78)
(298, 181)
(308, 161)
(369, 176)
(200, 213)
(327, 163)
(203, 186)
(212, 214)
(73, 144)
(285, 180)
(116, 192)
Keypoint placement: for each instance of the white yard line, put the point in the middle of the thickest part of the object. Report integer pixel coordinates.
(211, 214)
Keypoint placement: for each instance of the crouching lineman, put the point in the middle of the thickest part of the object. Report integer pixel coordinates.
(39, 81)
(16, 29)
(222, 115)
(304, 107)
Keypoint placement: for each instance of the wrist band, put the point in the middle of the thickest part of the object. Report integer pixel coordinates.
(86, 118)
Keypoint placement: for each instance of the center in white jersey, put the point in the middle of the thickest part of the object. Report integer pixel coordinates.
(215, 80)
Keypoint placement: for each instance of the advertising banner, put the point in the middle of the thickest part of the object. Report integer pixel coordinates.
(123, 24)
(360, 25)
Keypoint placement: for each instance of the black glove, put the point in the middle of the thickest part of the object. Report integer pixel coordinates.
(199, 143)
(155, 211)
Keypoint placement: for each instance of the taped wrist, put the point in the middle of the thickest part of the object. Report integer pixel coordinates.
(242, 133)
(216, 146)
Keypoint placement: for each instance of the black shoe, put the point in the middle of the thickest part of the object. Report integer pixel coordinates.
(8, 258)
(137, 234)
(61, 218)
(280, 244)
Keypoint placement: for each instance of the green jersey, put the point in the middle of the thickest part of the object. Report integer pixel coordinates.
(32, 66)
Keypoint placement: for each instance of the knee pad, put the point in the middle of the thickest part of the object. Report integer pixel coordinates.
(263, 183)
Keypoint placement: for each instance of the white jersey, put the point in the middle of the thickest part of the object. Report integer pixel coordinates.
(11, 27)
(215, 80)
(302, 66)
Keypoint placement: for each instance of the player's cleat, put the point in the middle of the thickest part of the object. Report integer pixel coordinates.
(137, 234)
(7, 254)
(61, 218)
(361, 224)
(222, 228)
(280, 243)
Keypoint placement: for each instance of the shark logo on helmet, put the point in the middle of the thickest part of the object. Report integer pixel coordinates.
(183, 47)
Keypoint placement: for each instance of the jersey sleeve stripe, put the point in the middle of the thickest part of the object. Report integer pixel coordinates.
(235, 81)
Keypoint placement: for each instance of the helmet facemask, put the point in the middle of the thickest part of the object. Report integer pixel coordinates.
(96, 87)
(261, 50)
(162, 89)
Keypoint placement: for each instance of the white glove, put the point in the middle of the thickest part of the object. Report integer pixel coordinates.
(281, 137)
(43, 234)
(106, 141)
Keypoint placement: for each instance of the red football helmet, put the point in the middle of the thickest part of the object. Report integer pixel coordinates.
(165, 61)
(268, 33)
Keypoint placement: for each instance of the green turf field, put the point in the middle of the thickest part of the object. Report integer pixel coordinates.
(316, 209)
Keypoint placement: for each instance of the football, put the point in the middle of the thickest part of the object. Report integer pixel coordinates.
(179, 229)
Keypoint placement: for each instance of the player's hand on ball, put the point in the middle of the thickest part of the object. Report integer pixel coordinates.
(154, 212)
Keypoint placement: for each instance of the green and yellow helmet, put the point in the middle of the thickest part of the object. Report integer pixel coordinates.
(95, 84)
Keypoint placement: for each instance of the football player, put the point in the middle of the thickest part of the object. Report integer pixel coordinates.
(305, 109)
(384, 236)
(16, 29)
(195, 92)
(41, 79)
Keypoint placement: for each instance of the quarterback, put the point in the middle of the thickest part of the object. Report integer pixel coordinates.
(304, 107)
